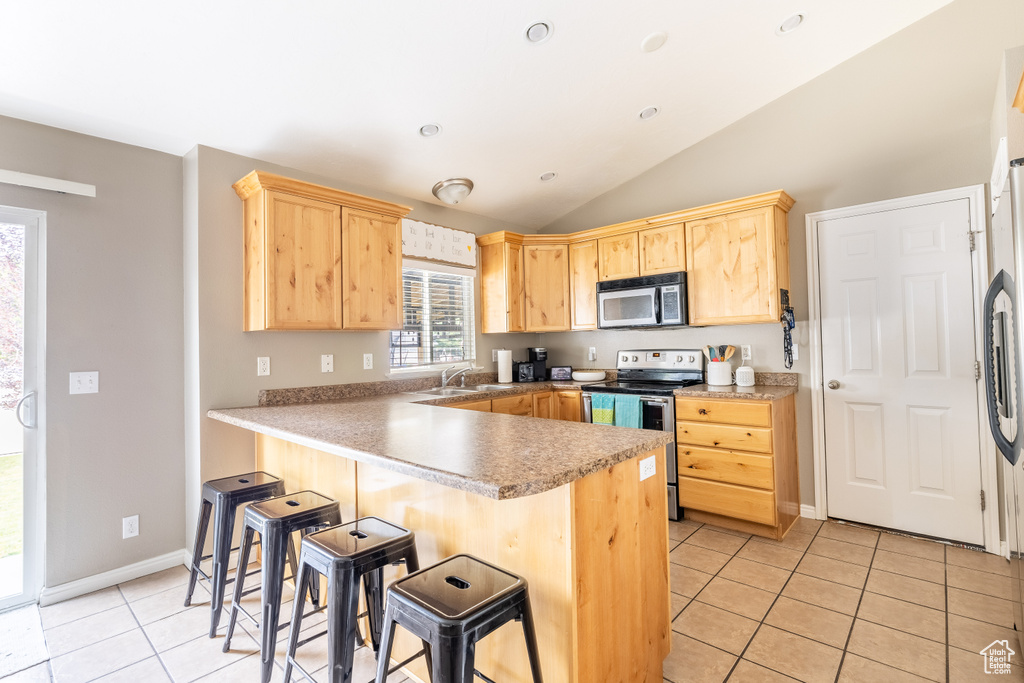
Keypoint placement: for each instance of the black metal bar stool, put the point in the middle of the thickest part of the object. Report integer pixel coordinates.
(222, 497)
(345, 554)
(274, 520)
(451, 606)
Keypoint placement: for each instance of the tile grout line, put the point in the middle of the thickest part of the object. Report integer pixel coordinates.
(772, 606)
(863, 590)
(945, 594)
(144, 635)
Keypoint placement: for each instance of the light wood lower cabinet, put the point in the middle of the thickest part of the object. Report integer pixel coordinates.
(479, 406)
(567, 405)
(561, 404)
(738, 463)
(544, 404)
(520, 404)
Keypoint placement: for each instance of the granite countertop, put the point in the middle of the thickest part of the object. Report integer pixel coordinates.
(758, 392)
(494, 455)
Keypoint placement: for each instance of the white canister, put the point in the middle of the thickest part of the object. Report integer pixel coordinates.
(720, 373)
(744, 376)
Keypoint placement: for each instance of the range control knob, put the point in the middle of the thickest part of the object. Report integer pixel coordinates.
(625, 358)
(679, 359)
(635, 359)
(690, 359)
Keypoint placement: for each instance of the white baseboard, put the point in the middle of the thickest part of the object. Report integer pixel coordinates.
(73, 589)
(808, 511)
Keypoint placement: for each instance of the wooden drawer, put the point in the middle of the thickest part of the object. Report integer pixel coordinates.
(728, 412)
(729, 500)
(754, 439)
(730, 467)
(481, 406)
(521, 404)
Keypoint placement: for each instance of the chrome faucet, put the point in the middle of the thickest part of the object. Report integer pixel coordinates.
(445, 378)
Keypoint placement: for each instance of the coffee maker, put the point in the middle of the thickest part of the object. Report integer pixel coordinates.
(539, 359)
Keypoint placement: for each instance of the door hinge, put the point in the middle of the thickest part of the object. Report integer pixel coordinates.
(970, 236)
(977, 369)
(983, 500)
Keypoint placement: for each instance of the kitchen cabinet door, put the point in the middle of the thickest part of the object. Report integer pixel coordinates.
(662, 250)
(737, 264)
(501, 288)
(544, 405)
(521, 404)
(567, 405)
(372, 270)
(618, 257)
(546, 287)
(583, 285)
(479, 406)
(292, 263)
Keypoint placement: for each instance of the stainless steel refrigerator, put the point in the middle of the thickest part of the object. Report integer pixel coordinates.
(1004, 328)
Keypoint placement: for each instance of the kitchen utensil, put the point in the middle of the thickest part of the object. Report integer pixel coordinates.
(588, 376)
(721, 350)
(707, 352)
(729, 350)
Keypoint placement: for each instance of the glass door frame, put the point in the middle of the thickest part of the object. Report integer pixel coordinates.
(33, 411)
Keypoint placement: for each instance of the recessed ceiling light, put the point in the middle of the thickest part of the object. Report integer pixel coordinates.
(430, 130)
(550, 175)
(653, 41)
(648, 113)
(539, 32)
(790, 24)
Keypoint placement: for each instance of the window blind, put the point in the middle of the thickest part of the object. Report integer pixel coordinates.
(438, 325)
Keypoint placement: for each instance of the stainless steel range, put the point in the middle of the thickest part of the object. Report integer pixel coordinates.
(653, 375)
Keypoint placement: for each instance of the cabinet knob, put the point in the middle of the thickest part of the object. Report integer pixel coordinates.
(702, 411)
(833, 384)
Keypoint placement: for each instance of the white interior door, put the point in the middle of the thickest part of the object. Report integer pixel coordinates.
(898, 350)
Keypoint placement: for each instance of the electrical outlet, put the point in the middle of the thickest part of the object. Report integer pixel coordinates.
(494, 355)
(85, 383)
(262, 366)
(648, 467)
(745, 351)
(130, 527)
(367, 361)
(592, 353)
(327, 362)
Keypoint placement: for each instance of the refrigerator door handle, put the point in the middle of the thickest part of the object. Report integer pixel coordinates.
(1010, 449)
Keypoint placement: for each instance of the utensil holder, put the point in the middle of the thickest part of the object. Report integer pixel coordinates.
(720, 373)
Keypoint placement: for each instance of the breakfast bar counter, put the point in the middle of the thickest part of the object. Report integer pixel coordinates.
(563, 504)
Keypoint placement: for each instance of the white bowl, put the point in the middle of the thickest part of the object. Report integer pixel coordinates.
(592, 376)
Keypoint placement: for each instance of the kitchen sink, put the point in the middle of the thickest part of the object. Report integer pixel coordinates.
(489, 387)
(446, 391)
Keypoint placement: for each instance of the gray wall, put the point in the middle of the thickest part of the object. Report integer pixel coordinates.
(113, 279)
(221, 358)
(909, 115)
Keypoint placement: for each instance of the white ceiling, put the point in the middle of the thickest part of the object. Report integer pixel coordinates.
(340, 88)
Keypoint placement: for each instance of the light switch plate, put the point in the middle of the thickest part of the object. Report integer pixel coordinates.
(648, 467)
(85, 382)
(327, 362)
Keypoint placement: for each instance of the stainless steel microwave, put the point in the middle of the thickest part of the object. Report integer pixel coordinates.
(652, 301)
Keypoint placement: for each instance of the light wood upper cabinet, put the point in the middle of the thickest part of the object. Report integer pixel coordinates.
(662, 250)
(501, 287)
(618, 257)
(372, 271)
(316, 258)
(738, 262)
(583, 285)
(546, 291)
(293, 264)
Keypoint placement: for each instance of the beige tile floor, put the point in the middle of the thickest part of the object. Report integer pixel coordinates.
(141, 632)
(833, 602)
(830, 603)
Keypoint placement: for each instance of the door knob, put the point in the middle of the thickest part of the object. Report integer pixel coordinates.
(833, 384)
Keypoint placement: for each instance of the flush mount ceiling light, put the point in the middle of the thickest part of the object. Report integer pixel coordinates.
(453, 190)
(653, 41)
(538, 32)
(790, 24)
(648, 113)
(550, 175)
(430, 130)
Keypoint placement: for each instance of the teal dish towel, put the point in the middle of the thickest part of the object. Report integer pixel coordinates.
(602, 409)
(627, 411)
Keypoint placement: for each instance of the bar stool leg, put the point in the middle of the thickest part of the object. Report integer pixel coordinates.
(341, 625)
(243, 562)
(387, 640)
(372, 583)
(223, 528)
(197, 552)
(275, 547)
(453, 660)
(531, 641)
(301, 581)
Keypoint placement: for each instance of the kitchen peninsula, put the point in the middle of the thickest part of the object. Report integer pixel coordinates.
(561, 503)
